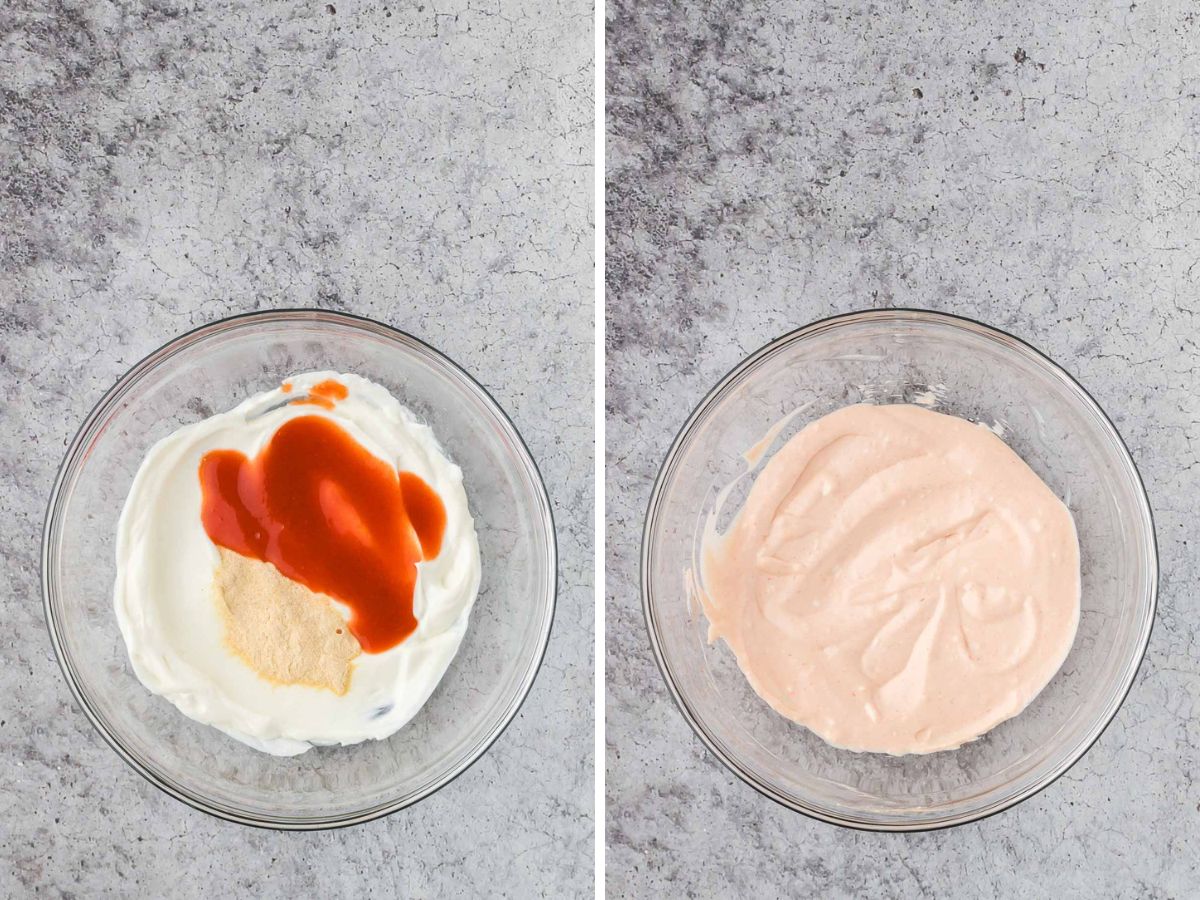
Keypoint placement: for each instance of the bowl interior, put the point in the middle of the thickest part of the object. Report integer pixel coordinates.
(210, 371)
(953, 366)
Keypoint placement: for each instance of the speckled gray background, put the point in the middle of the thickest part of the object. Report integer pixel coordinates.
(1031, 164)
(164, 164)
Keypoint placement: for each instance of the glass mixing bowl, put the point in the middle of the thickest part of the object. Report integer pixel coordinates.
(955, 366)
(210, 370)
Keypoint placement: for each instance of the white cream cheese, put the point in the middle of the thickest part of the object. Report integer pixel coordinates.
(166, 561)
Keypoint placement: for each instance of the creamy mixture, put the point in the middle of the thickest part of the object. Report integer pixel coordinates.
(249, 646)
(898, 580)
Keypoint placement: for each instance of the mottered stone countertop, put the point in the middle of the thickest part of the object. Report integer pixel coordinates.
(1031, 165)
(164, 164)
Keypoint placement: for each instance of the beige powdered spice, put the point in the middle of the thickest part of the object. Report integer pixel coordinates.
(282, 630)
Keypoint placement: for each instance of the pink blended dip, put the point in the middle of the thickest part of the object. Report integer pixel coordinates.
(898, 581)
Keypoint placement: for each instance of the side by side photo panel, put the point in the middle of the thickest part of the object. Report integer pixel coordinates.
(900, 410)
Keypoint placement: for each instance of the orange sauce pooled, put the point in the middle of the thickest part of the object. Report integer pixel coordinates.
(330, 515)
(323, 394)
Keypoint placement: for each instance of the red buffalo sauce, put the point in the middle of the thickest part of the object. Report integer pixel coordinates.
(324, 393)
(330, 515)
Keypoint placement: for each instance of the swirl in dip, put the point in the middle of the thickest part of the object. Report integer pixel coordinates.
(300, 570)
(898, 580)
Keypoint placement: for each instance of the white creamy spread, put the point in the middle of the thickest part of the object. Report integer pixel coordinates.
(166, 563)
(898, 580)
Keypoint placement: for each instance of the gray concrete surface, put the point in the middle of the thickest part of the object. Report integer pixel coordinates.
(164, 164)
(1033, 165)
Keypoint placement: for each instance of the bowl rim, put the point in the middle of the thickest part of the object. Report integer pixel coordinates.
(666, 470)
(69, 465)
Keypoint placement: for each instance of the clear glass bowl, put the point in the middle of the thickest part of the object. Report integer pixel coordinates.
(956, 366)
(210, 370)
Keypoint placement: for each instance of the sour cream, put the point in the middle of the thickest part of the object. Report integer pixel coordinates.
(166, 564)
